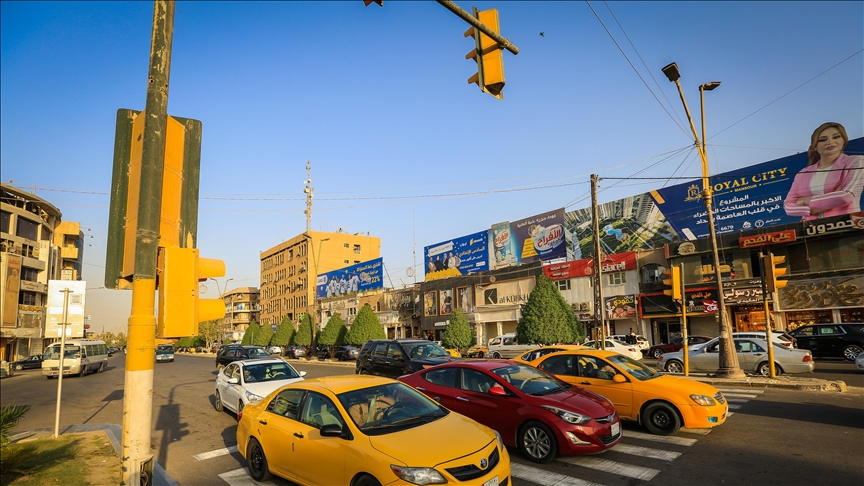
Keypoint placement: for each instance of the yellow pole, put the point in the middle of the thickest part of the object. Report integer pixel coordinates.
(684, 356)
(768, 337)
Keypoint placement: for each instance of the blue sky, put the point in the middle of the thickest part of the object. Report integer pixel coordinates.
(377, 98)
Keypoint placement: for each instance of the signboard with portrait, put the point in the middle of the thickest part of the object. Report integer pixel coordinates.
(355, 279)
(446, 299)
(458, 256)
(430, 303)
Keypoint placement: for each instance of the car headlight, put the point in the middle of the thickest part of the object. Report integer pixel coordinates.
(253, 397)
(568, 416)
(500, 440)
(418, 475)
(703, 400)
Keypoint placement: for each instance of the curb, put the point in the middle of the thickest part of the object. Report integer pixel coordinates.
(787, 383)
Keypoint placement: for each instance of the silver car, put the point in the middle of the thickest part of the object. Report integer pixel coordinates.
(248, 381)
(752, 358)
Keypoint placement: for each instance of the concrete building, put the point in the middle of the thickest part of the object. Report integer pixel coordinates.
(36, 247)
(290, 269)
(242, 307)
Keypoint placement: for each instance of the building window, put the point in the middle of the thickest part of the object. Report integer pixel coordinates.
(564, 284)
(346, 261)
(27, 229)
(46, 236)
(5, 218)
(346, 245)
(356, 261)
(29, 274)
(357, 249)
(27, 298)
(616, 278)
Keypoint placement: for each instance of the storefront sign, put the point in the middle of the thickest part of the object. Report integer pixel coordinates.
(621, 307)
(698, 302)
(13, 277)
(767, 239)
(739, 295)
(582, 268)
(819, 229)
(823, 293)
(442, 323)
(503, 293)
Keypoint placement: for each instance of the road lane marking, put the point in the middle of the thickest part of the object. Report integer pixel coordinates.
(546, 478)
(737, 400)
(666, 439)
(612, 467)
(646, 452)
(696, 431)
(734, 407)
(739, 395)
(241, 477)
(742, 390)
(216, 453)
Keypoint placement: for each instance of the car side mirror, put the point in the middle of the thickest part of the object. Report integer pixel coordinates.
(497, 390)
(302, 373)
(619, 378)
(233, 381)
(331, 430)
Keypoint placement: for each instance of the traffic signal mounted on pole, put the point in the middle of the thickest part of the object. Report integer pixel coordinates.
(672, 277)
(488, 54)
(180, 308)
(770, 272)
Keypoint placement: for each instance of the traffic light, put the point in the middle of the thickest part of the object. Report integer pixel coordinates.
(180, 308)
(379, 2)
(673, 279)
(488, 55)
(770, 272)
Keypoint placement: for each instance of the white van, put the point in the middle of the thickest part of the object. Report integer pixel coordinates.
(81, 356)
(505, 346)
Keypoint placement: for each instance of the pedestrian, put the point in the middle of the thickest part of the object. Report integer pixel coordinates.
(631, 338)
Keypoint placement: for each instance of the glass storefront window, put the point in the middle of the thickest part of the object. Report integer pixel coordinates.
(797, 319)
(852, 315)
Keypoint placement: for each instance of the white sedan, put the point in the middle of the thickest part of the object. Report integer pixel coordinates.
(859, 361)
(248, 381)
(629, 350)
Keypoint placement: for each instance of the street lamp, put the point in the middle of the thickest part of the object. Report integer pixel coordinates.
(729, 367)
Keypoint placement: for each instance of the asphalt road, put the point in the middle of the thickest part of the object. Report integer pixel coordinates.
(772, 437)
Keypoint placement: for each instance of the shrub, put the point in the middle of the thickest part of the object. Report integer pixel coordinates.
(458, 334)
(544, 320)
(366, 327)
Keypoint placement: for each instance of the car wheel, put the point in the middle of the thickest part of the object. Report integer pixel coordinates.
(366, 480)
(657, 353)
(537, 442)
(257, 461)
(852, 351)
(496, 355)
(661, 419)
(83, 370)
(19, 367)
(219, 366)
(101, 368)
(675, 367)
(362, 371)
(480, 354)
(218, 405)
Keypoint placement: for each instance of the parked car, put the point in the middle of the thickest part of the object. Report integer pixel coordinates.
(244, 382)
(541, 415)
(295, 352)
(111, 351)
(778, 337)
(506, 346)
(33, 362)
(859, 362)
(529, 356)
(346, 353)
(235, 352)
(676, 345)
(629, 350)
(397, 357)
(752, 358)
(373, 425)
(661, 403)
(277, 350)
(323, 352)
(478, 351)
(844, 340)
(641, 341)
(165, 352)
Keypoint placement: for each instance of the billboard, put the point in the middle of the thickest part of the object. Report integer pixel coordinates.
(458, 256)
(358, 278)
(74, 307)
(539, 237)
(753, 197)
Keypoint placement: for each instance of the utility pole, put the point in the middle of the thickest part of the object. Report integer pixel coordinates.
(309, 190)
(66, 292)
(136, 458)
(598, 280)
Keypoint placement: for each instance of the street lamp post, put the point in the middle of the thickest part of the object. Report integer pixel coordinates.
(729, 367)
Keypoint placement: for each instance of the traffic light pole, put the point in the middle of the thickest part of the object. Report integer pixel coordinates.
(769, 340)
(598, 278)
(136, 458)
(467, 17)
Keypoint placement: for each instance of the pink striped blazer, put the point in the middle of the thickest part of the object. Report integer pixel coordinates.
(842, 193)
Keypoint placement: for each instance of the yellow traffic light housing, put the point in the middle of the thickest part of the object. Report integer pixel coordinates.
(488, 55)
(770, 272)
(180, 307)
(674, 280)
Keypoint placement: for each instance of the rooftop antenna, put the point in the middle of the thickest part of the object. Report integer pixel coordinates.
(308, 190)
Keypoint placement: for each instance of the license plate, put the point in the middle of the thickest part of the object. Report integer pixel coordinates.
(492, 482)
(616, 427)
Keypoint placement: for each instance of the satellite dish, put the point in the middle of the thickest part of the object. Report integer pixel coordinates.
(409, 272)
(202, 289)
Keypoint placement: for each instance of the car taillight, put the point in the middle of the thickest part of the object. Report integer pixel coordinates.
(239, 415)
(660, 358)
(807, 358)
(631, 349)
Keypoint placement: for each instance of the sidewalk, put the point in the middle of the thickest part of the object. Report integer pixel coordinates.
(114, 433)
(782, 381)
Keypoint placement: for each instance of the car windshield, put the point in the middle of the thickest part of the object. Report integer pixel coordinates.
(257, 352)
(164, 349)
(633, 367)
(72, 351)
(424, 350)
(530, 380)
(268, 372)
(388, 408)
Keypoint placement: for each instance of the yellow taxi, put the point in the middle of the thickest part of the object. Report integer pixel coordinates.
(373, 425)
(662, 403)
(478, 351)
(533, 354)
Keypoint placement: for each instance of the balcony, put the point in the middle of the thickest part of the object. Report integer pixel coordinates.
(69, 253)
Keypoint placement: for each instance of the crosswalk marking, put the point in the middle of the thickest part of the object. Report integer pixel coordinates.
(695, 431)
(646, 452)
(734, 407)
(739, 395)
(666, 439)
(742, 390)
(241, 477)
(546, 478)
(612, 467)
(737, 400)
(216, 453)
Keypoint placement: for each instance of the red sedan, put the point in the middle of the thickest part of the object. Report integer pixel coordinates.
(676, 345)
(532, 410)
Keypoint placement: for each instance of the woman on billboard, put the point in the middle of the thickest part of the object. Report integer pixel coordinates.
(832, 182)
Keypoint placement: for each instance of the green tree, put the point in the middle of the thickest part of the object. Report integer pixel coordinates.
(576, 329)
(249, 336)
(544, 320)
(304, 335)
(333, 333)
(284, 334)
(458, 334)
(263, 337)
(366, 327)
(210, 332)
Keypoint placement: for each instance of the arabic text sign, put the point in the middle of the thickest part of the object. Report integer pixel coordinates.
(458, 256)
(357, 278)
(767, 239)
(585, 267)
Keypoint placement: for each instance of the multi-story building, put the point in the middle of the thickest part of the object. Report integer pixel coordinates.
(36, 247)
(290, 270)
(242, 307)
